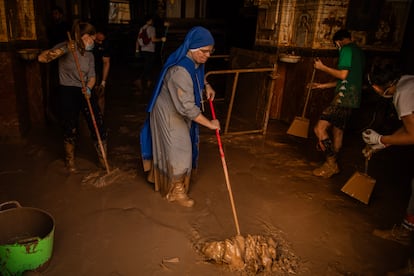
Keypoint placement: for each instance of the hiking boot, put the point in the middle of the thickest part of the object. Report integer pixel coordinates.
(328, 169)
(398, 233)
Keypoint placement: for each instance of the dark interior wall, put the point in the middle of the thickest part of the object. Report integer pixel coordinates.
(240, 21)
(407, 54)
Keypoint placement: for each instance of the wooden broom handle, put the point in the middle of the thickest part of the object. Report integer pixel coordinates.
(226, 174)
(308, 94)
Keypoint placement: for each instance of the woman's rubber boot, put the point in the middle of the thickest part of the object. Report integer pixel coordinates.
(70, 156)
(179, 195)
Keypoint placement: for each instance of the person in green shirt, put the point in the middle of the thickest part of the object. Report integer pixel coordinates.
(349, 74)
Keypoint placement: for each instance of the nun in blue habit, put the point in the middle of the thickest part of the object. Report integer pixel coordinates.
(170, 135)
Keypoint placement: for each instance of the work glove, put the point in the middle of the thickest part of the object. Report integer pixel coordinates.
(372, 137)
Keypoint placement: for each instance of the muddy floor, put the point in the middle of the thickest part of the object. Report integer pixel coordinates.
(127, 229)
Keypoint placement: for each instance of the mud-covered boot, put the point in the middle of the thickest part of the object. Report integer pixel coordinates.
(101, 159)
(179, 195)
(328, 169)
(70, 156)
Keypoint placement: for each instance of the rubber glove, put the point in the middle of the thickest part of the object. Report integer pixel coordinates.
(372, 137)
(87, 92)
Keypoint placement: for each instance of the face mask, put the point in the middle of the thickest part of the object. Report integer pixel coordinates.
(386, 96)
(89, 47)
(387, 91)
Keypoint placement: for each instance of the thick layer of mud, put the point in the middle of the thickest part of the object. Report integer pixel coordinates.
(252, 254)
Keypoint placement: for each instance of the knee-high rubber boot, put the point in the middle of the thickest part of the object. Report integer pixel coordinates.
(179, 195)
(70, 156)
(100, 156)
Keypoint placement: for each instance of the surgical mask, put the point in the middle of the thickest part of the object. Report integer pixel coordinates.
(386, 92)
(386, 96)
(89, 47)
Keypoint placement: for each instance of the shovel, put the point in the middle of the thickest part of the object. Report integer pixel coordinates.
(360, 185)
(300, 125)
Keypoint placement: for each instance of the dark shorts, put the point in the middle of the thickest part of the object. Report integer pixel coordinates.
(338, 116)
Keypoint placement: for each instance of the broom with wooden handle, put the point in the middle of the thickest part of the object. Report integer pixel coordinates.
(300, 125)
(226, 174)
(98, 135)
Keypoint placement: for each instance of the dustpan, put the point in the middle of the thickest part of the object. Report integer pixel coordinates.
(360, 185)
(300, 125)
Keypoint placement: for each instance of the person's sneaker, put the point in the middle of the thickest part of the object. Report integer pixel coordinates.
(327, 170)
(398, 233)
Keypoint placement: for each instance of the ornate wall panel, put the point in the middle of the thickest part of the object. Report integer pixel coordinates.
(377, 25)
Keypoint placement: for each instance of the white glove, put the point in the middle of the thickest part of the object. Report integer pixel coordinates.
(372, 137)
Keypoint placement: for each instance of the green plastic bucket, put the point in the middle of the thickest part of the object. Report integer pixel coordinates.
(26, 239)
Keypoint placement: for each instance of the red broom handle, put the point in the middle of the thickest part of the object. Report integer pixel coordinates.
(226, 174)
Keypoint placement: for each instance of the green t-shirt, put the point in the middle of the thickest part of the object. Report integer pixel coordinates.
(348, 92)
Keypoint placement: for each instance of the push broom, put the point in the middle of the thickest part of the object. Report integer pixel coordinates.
(226, 174)
(239, 252)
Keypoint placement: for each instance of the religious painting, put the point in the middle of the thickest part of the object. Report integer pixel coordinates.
(390, 26)
(331, 18)
(312, 23)
(378, 25)
(303, 30)
(119, 12)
